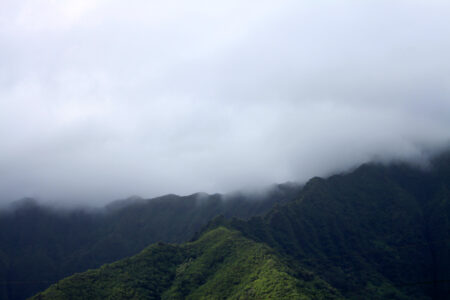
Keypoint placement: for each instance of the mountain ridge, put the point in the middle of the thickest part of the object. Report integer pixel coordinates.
(41, 244)
(378, 232)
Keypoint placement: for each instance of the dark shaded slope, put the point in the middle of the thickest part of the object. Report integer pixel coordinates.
(35, 242)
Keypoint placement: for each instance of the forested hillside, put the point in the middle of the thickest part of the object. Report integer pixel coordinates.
(221, 264)
(379, 232)
(40, 245)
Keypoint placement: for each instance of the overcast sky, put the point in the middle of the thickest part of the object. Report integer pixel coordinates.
(101, 100)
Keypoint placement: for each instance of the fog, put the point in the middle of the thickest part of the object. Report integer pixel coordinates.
(100, 100)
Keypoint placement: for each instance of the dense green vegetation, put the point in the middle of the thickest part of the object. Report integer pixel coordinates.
(379, 232)
(40, 245)
(222, 264)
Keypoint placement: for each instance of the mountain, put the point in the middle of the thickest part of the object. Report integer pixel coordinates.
(378, 232)
(221, 264)
(40, 245)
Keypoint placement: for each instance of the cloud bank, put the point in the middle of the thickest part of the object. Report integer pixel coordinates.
(104, 99)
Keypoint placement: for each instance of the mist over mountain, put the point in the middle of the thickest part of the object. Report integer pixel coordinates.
(40, 244)
(309, 141)
(378, 232)
(100, 100)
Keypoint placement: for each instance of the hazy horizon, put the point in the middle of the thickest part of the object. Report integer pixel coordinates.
(100, 100)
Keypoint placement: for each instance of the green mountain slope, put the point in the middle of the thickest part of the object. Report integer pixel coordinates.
(221, 264)
(379, 231)
(40, 245)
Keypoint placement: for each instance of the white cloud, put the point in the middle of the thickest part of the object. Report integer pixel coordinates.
(104, 99)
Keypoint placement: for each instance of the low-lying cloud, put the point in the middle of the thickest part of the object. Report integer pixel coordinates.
(104, 99)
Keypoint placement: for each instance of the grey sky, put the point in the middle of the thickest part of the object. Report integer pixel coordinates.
(104, 99)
